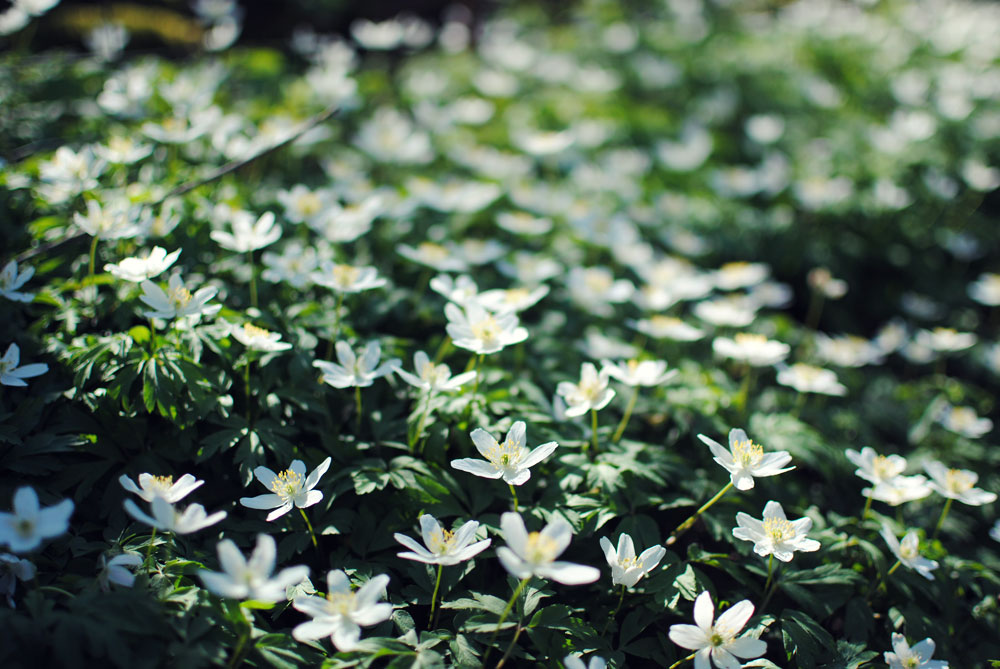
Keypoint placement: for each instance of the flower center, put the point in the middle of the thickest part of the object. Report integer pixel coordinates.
(911, 662)
(717, 639)
(958, 481)
(749, 340)
(633, 561)
(345, 275)
(486, 330)
(443, 542)
(179, 297)
(434, 374)
(882, 468)
(747, 453)
(540, 548)
(6, 366)
(25, 527)
(599, 282)
(253, 332)
(433, 252)
(341, 603)
(962, 418)
(161, 484)
(309, 204)
(778, 529)
(505, 454)
(287, 485)
(908, 551)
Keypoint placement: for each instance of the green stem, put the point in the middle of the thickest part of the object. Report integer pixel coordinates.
(93, 255)
(312, 534)
(682, 660)
(944, 514)
(770, 572)
(149, 547)
(769, 592)
(629, 408)
(253, 280)
(476, 368)
(237, 656)
(883, 579)
(510, 647)
(357, 402)
(514, 493)
(423, 419)
(246, 390)
(686, 525)
(152, 337)
(614, 613)
(437, 585)
(741, 399)
(593, 429)
(868, 504)
(815, 309)
(503, 616)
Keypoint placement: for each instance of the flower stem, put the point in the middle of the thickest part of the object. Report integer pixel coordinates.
(510, 647)
(149, 547)
(682, 660)
(883, 579)
(253, 280)
(357, 402)
(868, 504)
(93, 255)
(593, 429)
(423, 419)
(503, 616)
(686, 525)
(244, 636)
(629, 408)
(741, 399)
(514, 494)
(437, 585)
(944, 514)
(772, 581)
(312, 533)
(621, 598)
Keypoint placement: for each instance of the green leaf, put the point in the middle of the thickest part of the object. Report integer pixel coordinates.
(804, 638)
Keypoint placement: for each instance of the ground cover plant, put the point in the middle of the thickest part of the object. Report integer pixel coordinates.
(619, 334)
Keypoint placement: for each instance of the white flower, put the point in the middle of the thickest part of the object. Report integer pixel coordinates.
(744, 460)
(874, 467)
(735, 275)
(13, 375)
(591, 393)
(810, 379)
(667, 327)
(177, 301)
(965, 421)
(986, 289)
(295, 264)
(161, 486)
(732, 311)
(166, 517)
(626, 568)
(847, 350)
(639, 372)
(118, 219)
(251, 579)
(461, 291)
(945, 340)
(248, 234)
(433, 378)
(258, 339)
(342, 613)
(346, 278)
(754, 349)
(12, 570)
(574, 662)
(288, 488)
(28, 524)
(116, 570)
(480, 331)
(144, 267)
(354, 370)
(775, 535)
(957, 484)
(821, 280)
(511, 460)
(303, 205)
(908, 552)
(535, 554)
(514, 300)
(717, 642)
(11, 280)
(441, 258)
(900, 489)
(596, 289)
(442, 546)
(390, 137)
(917, 657)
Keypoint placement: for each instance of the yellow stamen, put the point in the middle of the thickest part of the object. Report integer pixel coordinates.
(778, 529)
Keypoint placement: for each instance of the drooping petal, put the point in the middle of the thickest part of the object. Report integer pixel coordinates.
(691, 637)
(747, 647)
(318, 628)
(569, 573)
(265, 501)
(477, 467)
(317, 473)
(514, 565)
(279, 512)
